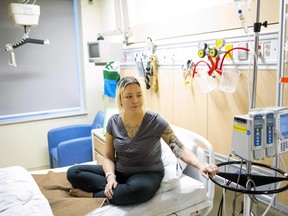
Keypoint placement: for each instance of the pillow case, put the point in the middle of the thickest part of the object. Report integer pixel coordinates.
(170, 178)
(170, 161)
(20, 194)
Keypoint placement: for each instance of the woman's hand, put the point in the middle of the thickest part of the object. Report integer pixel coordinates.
(111, 184)
(208, 168)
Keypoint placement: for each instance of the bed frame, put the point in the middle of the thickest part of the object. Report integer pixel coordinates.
(206, 154)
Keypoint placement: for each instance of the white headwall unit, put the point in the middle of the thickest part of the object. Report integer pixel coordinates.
(176, 52)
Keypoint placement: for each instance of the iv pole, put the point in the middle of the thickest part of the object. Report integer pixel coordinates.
(255, 62)
(257, 28)
(249, 177)
(247, 200)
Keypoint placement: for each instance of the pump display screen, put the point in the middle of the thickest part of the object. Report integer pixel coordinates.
(284, 125)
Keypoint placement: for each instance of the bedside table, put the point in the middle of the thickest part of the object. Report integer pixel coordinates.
(98, 142)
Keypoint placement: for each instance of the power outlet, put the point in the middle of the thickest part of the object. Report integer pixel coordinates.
(267, 49)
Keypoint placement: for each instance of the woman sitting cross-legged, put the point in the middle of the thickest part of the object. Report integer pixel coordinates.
(132, 168)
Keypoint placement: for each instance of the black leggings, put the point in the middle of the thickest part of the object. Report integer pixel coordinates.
(136, 188)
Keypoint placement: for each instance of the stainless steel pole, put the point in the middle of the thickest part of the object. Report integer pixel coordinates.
(281, 51)
(255, 62)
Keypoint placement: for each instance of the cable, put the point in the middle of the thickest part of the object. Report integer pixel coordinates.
(228, 51)
(222, 204)
(283, 163)
(277, 187)
(195, 66)
(234, 203)
(249, 75)
(222, 201)
(237, 184)
(252, 50)
(251, 197)
(224, 194)
(219, 213)
(271, 202)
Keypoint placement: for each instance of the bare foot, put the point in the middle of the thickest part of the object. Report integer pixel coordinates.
(80, 193)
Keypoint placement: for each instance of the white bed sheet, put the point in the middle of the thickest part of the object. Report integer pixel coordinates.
(188, 194)
(20, 194)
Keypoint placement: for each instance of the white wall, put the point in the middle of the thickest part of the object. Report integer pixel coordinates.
(145, 11)
(25, 144)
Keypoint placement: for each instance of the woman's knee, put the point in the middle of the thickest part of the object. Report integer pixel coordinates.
(147, 183)
(147, 190)
(72, 172)
(138, 189)
(132, 195)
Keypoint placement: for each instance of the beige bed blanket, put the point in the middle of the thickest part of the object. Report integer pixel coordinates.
(55, 187)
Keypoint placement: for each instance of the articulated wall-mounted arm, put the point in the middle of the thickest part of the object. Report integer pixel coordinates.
(26, 15)
(25, 39)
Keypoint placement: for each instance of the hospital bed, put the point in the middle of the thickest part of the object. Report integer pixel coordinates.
(186, 193)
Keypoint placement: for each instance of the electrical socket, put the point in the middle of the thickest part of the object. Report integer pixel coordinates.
(266, 49)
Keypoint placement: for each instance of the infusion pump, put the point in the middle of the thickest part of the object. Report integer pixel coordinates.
(261, 133)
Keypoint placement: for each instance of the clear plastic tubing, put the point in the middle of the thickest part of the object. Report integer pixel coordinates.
(243, 20)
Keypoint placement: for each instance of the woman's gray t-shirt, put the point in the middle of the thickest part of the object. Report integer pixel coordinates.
(142, 153)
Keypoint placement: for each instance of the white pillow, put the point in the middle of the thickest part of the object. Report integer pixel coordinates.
(171, 176)
(168, 156)
(20, 194)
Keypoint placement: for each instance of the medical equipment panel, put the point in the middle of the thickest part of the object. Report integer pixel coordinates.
(261, 133)
(247, 138)
(282, 131)
(281, 127)
(257, 135)
(269, 130)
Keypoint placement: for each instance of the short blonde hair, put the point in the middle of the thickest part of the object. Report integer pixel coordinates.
(122, 84)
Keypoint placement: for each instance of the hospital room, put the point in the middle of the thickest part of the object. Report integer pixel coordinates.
(197, 89)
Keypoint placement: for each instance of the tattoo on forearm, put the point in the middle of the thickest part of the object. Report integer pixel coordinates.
(176, 146)
(174, 143)
(168, 130)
